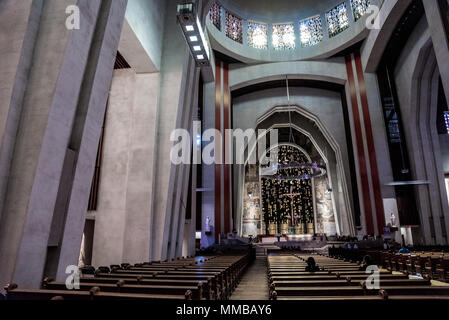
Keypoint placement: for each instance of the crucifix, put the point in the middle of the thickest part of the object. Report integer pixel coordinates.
(292, 196)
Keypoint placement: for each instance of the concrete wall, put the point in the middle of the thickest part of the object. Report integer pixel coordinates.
(444, 144)
(146, 19)
(327, 107)
(122, 226)
(416, 78)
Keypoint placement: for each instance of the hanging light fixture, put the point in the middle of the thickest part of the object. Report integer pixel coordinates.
(193, 33)
(277, 171)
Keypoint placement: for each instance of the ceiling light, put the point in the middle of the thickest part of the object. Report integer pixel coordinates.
(193, 33)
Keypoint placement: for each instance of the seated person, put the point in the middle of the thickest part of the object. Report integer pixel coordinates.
(366, 262)
(311, 265)
(404, 250)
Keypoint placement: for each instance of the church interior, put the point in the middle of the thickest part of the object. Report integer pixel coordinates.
(224, 150)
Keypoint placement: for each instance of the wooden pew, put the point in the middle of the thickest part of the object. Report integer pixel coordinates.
(209, 292)
(345, 280)
(14, 293)
(122, 287)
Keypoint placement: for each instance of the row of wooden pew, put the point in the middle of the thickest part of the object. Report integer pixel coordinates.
(194, 278)
(432, 264)
(342, 280)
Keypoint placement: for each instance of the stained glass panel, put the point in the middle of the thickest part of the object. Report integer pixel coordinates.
(311, 31)
(359, 8)
(257, 35)
(215, 15)
(234, 27)
(283, 36)
(337, 20)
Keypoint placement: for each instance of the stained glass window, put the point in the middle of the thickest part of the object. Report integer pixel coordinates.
(283, 36)
(215, 15)
(257, 35)
(234, 27)
(446, 119)
(359, 8)
(337, 20)
(311, 31)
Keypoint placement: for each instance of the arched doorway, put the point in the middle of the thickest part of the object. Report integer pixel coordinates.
(295, 205)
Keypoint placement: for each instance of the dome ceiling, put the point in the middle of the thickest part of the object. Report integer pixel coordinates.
(279, 10)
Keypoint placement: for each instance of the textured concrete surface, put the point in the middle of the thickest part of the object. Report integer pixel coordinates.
(416, 78)
(56, 113)
(28, 204)
(87, 128)
(122, 227)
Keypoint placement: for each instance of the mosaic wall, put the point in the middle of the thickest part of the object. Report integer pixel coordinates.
(325, 212)
(251, 220)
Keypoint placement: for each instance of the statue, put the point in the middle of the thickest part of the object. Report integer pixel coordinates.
(207, 226)
(393, 220)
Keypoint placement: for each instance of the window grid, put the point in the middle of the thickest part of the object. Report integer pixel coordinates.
(234, 27)
(284, 36)
(311, 31)
(257, 35)
(215, 15)
(359, 8)
(446, 120)
(337, 20)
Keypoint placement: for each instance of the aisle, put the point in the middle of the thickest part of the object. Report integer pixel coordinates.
(253, 285)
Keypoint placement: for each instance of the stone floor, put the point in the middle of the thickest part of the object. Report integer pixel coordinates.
(253, 285)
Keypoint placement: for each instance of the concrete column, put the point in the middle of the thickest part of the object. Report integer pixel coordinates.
(88, 124)
(16, 49)
(440, 39)
(174, 104)
(208, 184)
(48, 109)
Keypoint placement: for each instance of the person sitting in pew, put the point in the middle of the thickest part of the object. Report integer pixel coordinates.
(404, 250)
(366, 262)
(311, 265)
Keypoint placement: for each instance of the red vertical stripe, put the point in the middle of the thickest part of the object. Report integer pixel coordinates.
(370, 143)
(360, 149)
(217, 228)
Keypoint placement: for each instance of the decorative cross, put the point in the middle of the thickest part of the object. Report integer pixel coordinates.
(292, 196)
